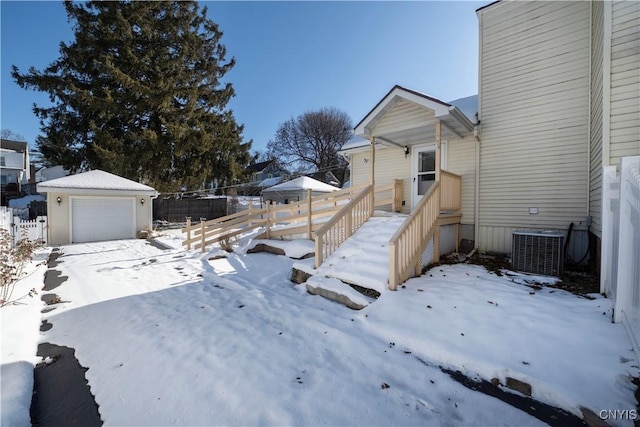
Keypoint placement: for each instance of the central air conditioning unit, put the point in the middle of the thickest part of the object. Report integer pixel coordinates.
(538, 251)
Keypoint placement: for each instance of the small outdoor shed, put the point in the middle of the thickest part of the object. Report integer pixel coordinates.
(95, 206)
(296, 190)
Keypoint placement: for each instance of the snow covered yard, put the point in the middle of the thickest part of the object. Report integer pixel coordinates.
(174, 338)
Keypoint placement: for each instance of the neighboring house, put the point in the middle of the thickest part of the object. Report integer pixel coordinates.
(258, 172)
(262, 175)
(51, 172)
(14, 165)
(94, 206)
(296, 190)
(559, 98)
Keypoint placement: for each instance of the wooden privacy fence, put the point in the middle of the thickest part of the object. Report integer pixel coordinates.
(177, 210)
(301, 217)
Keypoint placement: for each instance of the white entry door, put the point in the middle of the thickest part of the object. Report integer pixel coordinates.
(424, 170)
(98, 219)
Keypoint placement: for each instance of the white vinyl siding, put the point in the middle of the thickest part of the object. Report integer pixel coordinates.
(625, 80)
(390, 164)
(595, 150)
(406, 116)
(534, 108)
(461, 161)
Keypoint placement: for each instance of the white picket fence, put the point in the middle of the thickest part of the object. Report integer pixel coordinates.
(620, 260)
(20, 229)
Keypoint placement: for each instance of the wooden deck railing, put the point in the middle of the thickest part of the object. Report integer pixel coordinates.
(389, 195)
(408, 243)
(451, 193)
(339, 228)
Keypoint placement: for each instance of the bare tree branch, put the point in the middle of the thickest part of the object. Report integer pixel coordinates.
(311, 141)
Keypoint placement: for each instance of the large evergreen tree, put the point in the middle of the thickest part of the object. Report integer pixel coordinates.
(139, 93)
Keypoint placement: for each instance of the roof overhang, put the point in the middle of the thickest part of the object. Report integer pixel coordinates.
(429, 110)
(95, 191)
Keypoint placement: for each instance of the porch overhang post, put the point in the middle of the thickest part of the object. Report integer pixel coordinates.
(438, 140)
(372, 170)
(373, 173)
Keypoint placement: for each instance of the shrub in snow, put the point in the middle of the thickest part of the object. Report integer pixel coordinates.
(12, 263)
(226, 243)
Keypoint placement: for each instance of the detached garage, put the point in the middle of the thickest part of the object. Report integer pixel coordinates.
(95, 206)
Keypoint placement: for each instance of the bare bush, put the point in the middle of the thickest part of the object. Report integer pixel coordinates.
(12, 263)
(226, 243)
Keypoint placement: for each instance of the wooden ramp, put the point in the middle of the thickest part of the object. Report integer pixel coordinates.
(361, 261)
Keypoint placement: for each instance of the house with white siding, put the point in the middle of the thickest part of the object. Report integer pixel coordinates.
(559, 98)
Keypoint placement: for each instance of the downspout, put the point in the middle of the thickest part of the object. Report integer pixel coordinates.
(476, 207)
(476, 133)
(589, 116)
(606, 83)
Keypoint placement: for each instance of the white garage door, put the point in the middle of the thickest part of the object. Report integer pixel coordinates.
(97, 219)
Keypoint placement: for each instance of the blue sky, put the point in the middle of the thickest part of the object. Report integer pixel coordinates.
(292, 57)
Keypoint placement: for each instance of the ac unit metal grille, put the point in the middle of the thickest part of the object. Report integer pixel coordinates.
(538, 252)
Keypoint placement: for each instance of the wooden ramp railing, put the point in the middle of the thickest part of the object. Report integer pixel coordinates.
(343, 224)
(303, 216)
(409, 242)
(204, 233)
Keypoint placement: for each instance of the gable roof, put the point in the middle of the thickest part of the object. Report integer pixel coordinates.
(258, 167)
(302, 183)
(460, 115)
(450, 115)
(95, 181)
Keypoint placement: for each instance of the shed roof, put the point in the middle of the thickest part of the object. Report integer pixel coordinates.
(95, 180)
(303, 183)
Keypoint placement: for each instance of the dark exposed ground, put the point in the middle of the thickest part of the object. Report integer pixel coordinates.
(574, 279)
(546, 413)
(61, 394)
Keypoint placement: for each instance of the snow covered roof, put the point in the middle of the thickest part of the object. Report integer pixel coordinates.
(269, 182)
(468, 106)
(303, 183)
(94, 181)
(355, 142)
